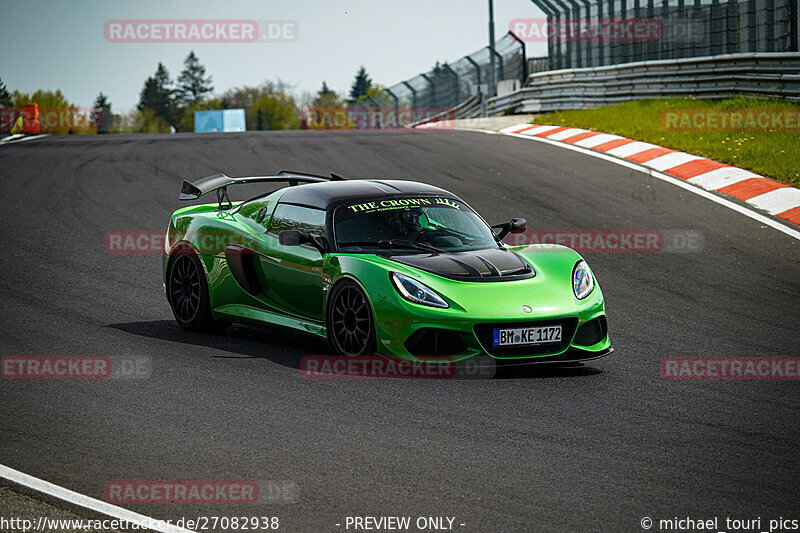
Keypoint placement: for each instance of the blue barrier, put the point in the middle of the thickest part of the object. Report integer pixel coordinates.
(225, 120)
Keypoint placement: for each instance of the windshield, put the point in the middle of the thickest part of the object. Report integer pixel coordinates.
(410, 225)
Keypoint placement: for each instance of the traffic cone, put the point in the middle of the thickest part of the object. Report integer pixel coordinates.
(30, 124)
(17, 127)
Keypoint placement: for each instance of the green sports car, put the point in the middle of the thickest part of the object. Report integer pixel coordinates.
(397, 268)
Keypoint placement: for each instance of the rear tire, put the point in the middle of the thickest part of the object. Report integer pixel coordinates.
(187, 293)
(349, 321)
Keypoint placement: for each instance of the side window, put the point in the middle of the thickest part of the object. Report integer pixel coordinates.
(300, 218)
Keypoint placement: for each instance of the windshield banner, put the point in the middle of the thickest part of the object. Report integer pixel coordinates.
(401, 203)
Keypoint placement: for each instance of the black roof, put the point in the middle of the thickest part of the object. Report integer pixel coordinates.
(322, 195)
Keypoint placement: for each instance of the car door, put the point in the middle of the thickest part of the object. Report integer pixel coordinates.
(294, 273)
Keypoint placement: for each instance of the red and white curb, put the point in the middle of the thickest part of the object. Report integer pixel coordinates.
(762, 193)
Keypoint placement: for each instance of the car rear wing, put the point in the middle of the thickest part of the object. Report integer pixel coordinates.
(220, 183)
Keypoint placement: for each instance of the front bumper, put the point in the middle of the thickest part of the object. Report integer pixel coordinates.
(452, 338)
(465, 329)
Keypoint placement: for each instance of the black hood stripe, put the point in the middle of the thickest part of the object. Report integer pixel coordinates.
(494, 264)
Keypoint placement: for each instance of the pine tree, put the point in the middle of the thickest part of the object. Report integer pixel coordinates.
(101, 115)
(193, 84)
(157, 95)
(326, 98)
(5, 96)
(361, 85)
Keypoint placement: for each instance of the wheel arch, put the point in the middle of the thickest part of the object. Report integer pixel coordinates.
(342, 279)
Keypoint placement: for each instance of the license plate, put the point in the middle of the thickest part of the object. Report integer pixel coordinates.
(527, 336)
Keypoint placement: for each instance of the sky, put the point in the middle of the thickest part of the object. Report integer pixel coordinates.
(61, 44)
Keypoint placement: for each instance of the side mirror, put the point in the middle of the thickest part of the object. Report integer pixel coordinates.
(515, 225)
(293, 237)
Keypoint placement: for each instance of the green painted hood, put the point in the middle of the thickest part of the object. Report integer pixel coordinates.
(548, 292)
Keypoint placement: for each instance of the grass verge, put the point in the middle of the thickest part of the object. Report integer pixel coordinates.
(756, 143)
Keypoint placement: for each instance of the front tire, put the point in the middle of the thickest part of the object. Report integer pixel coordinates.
(187, 292)
(349, 321)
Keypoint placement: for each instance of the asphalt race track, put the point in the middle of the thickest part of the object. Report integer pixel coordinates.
(595, 448)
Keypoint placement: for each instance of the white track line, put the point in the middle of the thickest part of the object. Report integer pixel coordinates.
(675, 181)
(14, 140)
(86, 502)
(11, 137)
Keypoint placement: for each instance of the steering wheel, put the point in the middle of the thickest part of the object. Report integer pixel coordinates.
(425, 235)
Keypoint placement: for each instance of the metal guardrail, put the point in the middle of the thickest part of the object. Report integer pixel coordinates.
(449, 84)
(720, 76)
(688, 28)
(470, 108)
(538, 64)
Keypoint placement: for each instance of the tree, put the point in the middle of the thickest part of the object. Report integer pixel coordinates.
(148, 122)
(193, 84)
(276, 111)
(326, 98)
(56, 113)
(361, 84)
(269, 106)
(5, 96)
(102, 115)
(377, 95)
(157, 95)
(45, 99)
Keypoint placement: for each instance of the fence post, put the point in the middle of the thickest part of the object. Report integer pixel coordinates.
(458, 82)
(731, 28)
(553, 45)
(500, 68)
(413, 101)
(623, 15)
(638, 49)
(682, 19)
(433, 89)
(396, 105)
(479, 91)
(602, 44)
(770, 29)
(492, 73)
(524, 57)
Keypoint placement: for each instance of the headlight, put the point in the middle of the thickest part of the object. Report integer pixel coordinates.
(582, 280)
(416, 292)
